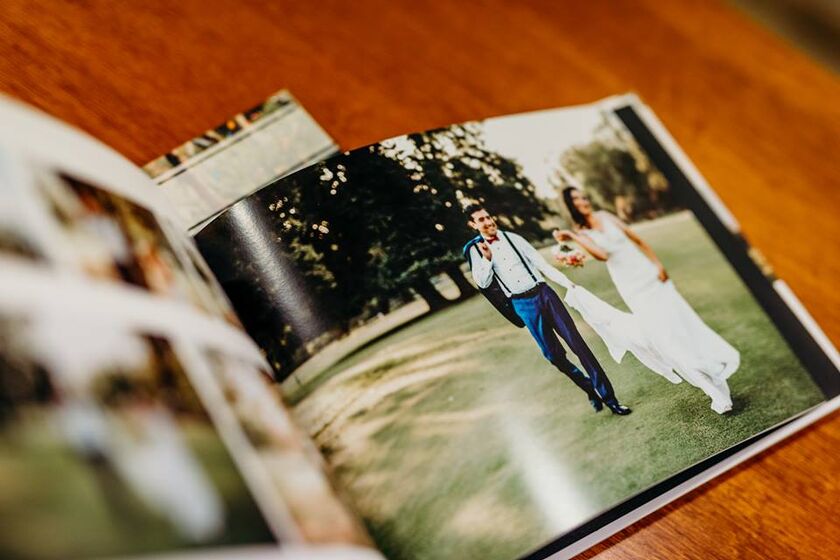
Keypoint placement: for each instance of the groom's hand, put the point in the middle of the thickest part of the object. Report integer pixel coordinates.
(485, 250)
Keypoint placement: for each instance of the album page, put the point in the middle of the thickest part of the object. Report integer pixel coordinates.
(205, 175)
(507, 336)
(136, 416)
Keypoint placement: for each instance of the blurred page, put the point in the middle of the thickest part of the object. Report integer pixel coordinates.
(125, 377)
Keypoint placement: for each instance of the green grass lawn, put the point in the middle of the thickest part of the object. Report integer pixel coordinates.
(456, 439)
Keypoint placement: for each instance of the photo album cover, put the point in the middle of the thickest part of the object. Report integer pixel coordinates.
(502, 339)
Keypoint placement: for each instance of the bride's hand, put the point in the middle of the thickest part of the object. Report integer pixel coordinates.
(663, 274)
(562, 235)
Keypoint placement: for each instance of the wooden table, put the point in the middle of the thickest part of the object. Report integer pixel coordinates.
(758, 118)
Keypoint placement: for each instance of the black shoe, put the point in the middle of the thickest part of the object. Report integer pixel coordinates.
(596, 404)
(621, 410)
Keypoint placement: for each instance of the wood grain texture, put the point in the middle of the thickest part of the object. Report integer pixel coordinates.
(757, 117)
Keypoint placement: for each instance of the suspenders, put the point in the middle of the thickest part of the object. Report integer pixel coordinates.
(522, 260)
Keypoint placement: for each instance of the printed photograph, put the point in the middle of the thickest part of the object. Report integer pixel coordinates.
(294, 466)
(107, 450)
(207, 289)
(249, 150)
(69, 223)
(21, 234)
(230, 128)
(497, 331)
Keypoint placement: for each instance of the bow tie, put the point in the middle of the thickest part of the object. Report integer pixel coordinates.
(492, 239)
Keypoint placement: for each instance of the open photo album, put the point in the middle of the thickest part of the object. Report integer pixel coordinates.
(502, 339)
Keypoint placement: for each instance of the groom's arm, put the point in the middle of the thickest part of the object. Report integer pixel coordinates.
(482, 268)
(538, 261)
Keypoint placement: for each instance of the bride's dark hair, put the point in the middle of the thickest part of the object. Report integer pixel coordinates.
(578, 218)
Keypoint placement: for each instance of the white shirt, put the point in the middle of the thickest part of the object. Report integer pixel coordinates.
(508, 267)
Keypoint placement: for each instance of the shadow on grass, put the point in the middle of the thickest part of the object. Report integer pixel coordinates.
(740, 405)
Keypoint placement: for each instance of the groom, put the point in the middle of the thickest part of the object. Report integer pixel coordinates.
(518, 268)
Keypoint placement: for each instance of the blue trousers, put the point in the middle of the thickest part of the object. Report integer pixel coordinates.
(546, 318)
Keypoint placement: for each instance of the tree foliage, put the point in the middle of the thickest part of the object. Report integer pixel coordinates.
(369, 229)
(617, 174)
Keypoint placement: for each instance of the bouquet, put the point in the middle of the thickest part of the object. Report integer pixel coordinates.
(569, 257)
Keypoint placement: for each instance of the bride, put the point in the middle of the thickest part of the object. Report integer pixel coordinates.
(663, 331)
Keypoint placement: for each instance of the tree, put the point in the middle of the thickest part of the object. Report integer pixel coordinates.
(361, 231)
(461, 168)
(617, 173)
(369, 224)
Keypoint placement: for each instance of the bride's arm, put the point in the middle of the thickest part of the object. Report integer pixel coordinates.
(583, 240)
(643, 246)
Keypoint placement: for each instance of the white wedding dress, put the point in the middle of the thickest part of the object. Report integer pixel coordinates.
(663, 331)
